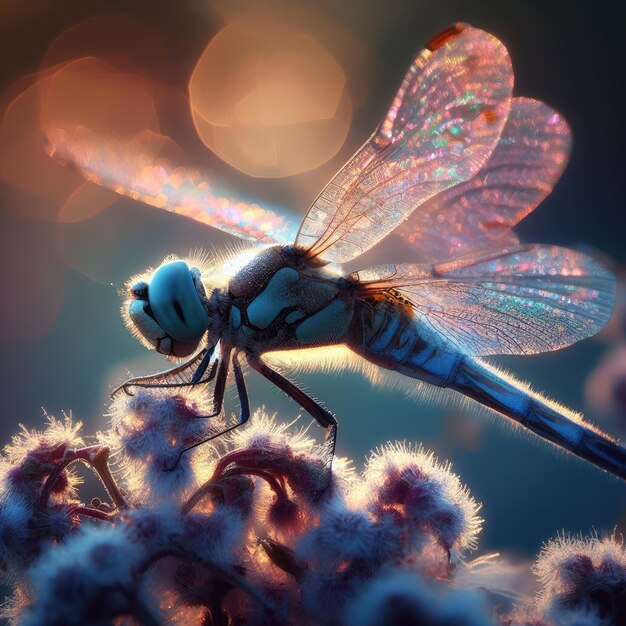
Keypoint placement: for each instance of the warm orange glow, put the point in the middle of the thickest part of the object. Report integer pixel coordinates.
(82, 94)
(269, 99)
(25, 167)
(90, 93)
(86, 201)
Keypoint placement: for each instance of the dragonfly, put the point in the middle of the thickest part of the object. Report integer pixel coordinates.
(454, 165)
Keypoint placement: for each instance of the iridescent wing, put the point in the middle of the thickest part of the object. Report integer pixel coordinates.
(442, 127)
(130, 168)
(519, 300)
(479, 213)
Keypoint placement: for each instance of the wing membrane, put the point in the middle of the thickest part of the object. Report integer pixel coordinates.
(131, 168)
(522, 300)
(443, 125)
(478, 214)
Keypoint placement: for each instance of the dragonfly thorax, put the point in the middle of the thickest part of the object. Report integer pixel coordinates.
(279, 300)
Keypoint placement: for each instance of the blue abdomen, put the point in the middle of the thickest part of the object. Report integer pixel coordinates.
(393, 337)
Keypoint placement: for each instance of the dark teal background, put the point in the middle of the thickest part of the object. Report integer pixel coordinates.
(568, 54)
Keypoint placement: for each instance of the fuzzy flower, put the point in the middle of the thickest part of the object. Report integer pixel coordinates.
(38, 487)
(409, 482)
(15, 535)
(325, 594)
(342, 553)
(347, 536)
(31, 456)
(154, 528)
(214, 537)
(583, 575)
(259, 530)
(15, 606)
(92, 579)
(532, 617)
(401, 598)
(293, 455)
(149, 433)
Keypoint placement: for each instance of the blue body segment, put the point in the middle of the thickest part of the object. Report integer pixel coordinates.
(330, 323)
(479, 382)
(287, 289)
(392, 338)
(280, 292)
(235, 317)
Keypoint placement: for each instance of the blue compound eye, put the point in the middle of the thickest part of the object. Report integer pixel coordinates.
(175, 302)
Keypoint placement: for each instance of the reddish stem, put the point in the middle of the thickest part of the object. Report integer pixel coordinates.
(211, 484)
(88, 511)
(240, 457)
(95, 457)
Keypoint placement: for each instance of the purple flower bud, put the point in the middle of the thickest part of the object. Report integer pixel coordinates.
(284, 514)
(401, 598)
(15, 536)
(346, 536)
(213, 536)
(428, 496)
(267, 444)
(583, 575)
(91, 579)
(59, 521)
(32, 455)
(149, 432)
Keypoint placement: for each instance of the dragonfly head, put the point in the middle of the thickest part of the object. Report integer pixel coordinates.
(169, 310)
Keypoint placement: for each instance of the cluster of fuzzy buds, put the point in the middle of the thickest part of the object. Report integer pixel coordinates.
(38, 500)
(240, 533)
(234, 533)
(583, 583)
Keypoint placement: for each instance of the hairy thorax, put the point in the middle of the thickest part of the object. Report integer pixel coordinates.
(278, 301)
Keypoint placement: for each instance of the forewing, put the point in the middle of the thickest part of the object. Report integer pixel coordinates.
(130, 168)
(479, 214)
(442, 127)
(522, 300)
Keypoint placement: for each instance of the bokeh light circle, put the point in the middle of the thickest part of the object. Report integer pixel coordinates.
(269, 99)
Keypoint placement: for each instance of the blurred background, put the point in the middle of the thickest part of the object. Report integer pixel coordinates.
(270, 97)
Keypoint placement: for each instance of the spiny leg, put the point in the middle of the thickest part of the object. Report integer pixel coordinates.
(244, 412)
(202, 368)
(151, 382)
(323, 417)
(221, 366)
(192, 383)
(220, 386)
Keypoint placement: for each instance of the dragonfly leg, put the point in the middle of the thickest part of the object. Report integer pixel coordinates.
(220, 386)
(156, 381)
(202, 368)
(244, 412)
(323, 417)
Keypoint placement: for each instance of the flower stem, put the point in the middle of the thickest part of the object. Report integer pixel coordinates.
(95, 457)
(211, 484)
(88, 511)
